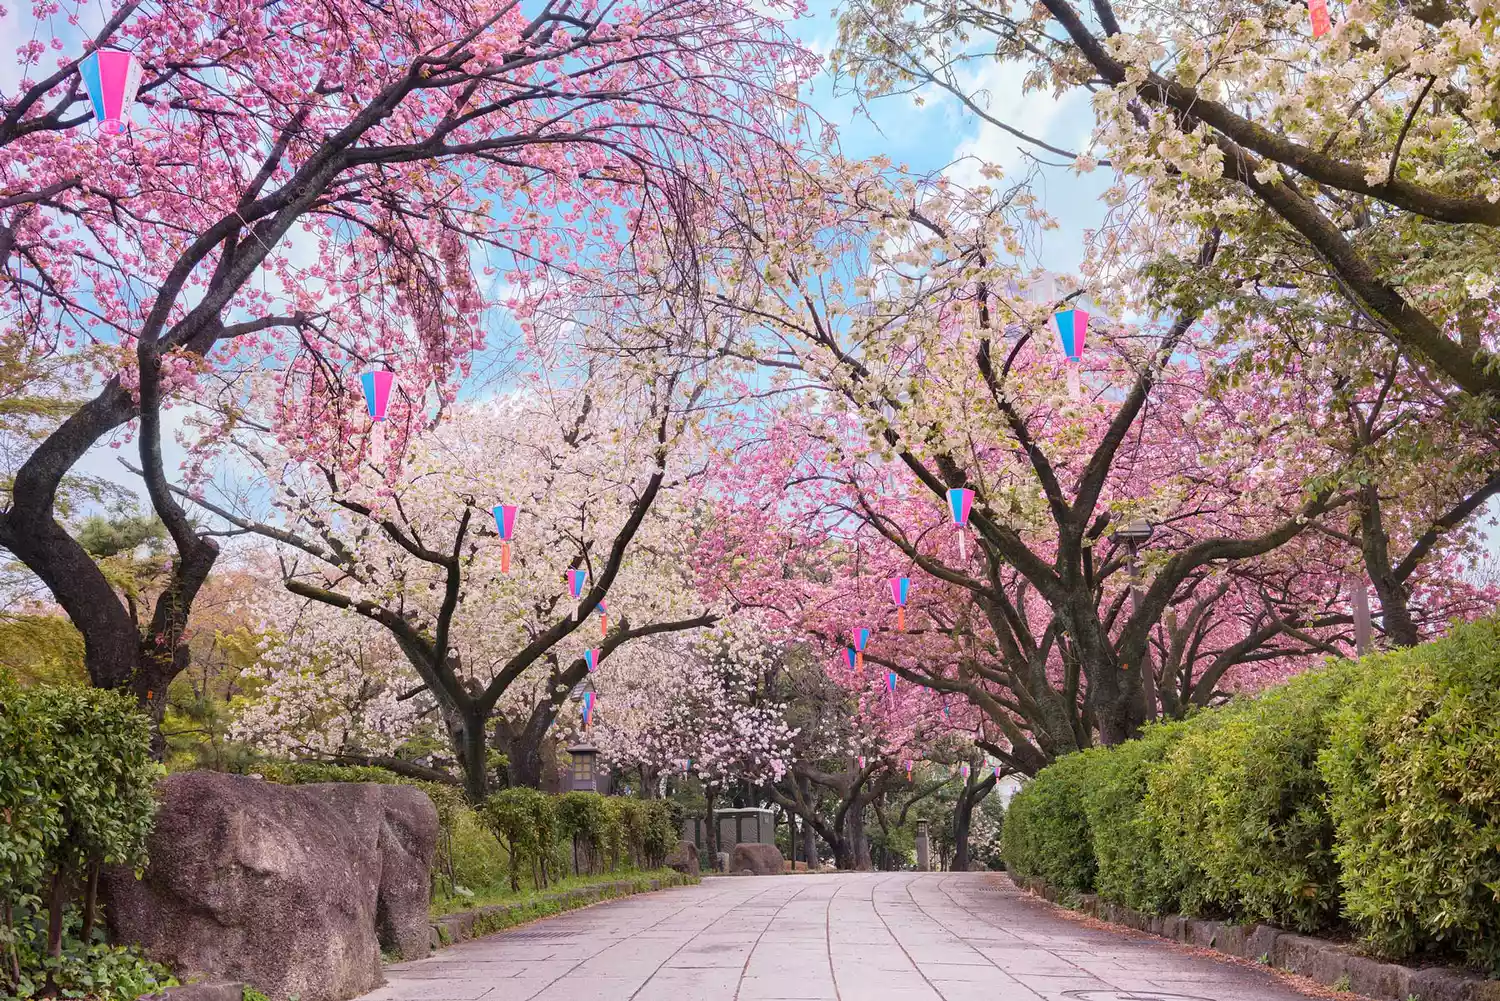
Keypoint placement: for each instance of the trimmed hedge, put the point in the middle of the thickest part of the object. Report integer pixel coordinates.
(1364, 795)
(1413, 770)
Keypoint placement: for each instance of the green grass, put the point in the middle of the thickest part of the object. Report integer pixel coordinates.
(542, 902)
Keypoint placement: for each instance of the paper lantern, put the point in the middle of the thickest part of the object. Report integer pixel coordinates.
(899, 588)
(505, 524)
(861, 761)
(588, 709)
(861, 638)
(603, 618)
(591, 657)
(851, 657)
(1072, 329)
(960, 503)
(576, 580)
(997, 773)
(963, 771)
(377, 389)
(1317, 10)
(890, 682)
(908, 763)
(111, 79)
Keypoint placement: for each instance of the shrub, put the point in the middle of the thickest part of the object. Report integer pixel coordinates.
(629, 818)
(76, 780)
(1134, 867)
(1046, 832)
(1241, 801)
(583, 818)
(1413, 771)
(662, 831)
(525, 823)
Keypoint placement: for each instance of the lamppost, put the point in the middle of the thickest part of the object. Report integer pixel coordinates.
(583, 776)
(1135, 533)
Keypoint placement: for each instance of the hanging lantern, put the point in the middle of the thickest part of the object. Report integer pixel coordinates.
(960, 503)
(963, 771)
(111, 78)
(591, 657)
(1317, 11)
(890, 682)
(946, 713)
(1072, 328)
(576, 580)
(603, 618)
(505, 523)
(861, 640)
(588, 709)
(861, 761)
(851, 657)
(908, 764)
(377, 389)
(899, 587)
(997, 773)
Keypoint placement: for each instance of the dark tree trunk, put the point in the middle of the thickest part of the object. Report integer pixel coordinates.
(711, 834)
(963, 819)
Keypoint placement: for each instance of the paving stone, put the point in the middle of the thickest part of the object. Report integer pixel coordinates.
(878, 936)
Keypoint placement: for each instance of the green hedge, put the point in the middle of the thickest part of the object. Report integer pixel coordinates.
(76, 780)
(1364, 795)
(1413, 770)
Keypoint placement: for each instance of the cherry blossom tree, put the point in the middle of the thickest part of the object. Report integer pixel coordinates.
(1325, 162)
(325, 187)
(695, 704)
(603, 481)
(934, 367)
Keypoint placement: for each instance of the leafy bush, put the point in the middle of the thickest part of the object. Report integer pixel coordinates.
(76, 780)
(1134, 867)
(1241, 800)
(525, 822)
(662, 832)
(1413, 771)
(1046, 831)
(583, 818)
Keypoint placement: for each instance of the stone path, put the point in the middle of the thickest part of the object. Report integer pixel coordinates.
(849, 937)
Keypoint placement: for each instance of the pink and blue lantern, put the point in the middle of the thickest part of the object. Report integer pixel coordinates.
(576, 579)
(505, 524)
(890, 682)
(603, 618)
(851, 657)
(963, 770)
(861, 637)
(861, 761)
(377, 390)
(960, 504)
(111, 78)
(591, 657)
(909, 764)
(588, 709)
(900, 586)
(1072, 329)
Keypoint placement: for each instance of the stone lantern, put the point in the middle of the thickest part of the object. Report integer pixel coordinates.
(583, 775)
(924, 847)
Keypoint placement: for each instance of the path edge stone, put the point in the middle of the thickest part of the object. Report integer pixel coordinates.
(1326, 962)
(450, 929)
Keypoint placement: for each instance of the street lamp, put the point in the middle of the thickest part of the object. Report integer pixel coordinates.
(1135, 533)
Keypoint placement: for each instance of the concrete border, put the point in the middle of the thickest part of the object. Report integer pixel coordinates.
(465, 925)
(1326, 962)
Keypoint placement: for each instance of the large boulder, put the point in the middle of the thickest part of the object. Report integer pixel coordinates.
(684, 858)
(761, 860)
(291, 889)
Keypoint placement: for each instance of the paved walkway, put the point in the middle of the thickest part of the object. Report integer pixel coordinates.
(851, 937)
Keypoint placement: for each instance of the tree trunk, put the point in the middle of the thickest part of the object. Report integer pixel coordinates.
(1395, 607)
(809, 845)
(468, 737)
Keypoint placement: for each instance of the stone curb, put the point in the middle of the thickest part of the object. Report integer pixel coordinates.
(465, 925)
(1326, 962)
(207, 990)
